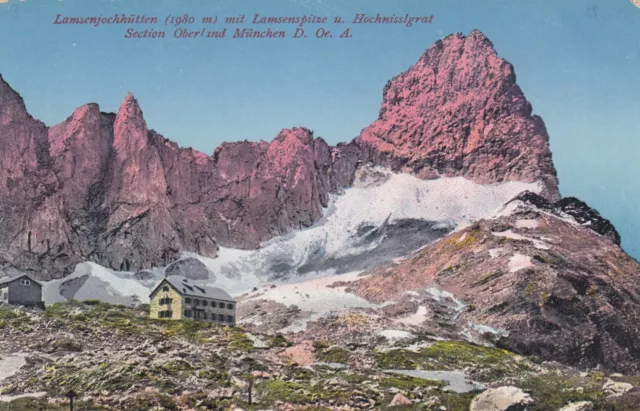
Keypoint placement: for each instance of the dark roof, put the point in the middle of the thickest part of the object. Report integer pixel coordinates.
(7, 280)
(187, 288)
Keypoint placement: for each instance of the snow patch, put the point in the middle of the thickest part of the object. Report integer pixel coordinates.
(481, 328)
(416, 318)
(395, 335)
(11, 364)
(257, 342)
(9, 398)
(443, 297)
(541, 245)
(474, 331)
(510, 208)
(314, 296)
(527, 223)
(231, 269)
(495, 252)
(519, 262)
(457, 381)
(91, 281)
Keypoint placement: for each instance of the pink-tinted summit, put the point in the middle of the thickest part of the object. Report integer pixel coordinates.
(130, 129)
(12, 108)
(459, 112)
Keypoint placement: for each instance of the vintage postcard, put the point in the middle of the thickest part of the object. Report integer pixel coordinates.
(319, 205)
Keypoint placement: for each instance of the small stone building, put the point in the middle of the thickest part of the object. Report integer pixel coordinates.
(177, 298)
(21, 290)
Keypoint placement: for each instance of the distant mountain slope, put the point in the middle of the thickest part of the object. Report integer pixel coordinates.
(552, 285)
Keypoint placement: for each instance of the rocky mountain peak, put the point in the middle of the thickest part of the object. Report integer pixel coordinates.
(130, 128)
(477, 39)
(73, 127)
(12, 108)
(296, 135)
(130, 106)
(572, 209)
(459, 112)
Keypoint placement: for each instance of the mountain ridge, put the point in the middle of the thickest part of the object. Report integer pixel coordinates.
(115, 192)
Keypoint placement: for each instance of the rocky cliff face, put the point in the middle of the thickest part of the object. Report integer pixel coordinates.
(29, 211)
(104, 187)
(459, 112)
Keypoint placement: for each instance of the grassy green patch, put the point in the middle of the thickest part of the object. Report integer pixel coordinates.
(552, 392)
(544, 297)
(334, 354)
(464, 239)
(240, 342)
(194, 330)
(299, 373)
(408, 383)
(505, 240)
(278, 390)
(95, 313)
(289, 391)
(403, 360)
(531, 287)
(488, 363)
(278, 341)
(353, 377)
(15, 319)
(126, 320)
(116, 377)
(177, 368)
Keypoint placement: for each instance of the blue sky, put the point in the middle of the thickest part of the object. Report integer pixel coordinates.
(576, 60)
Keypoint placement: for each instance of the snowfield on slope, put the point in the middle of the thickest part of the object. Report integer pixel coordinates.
(454, 202)
(317, 297)
(91, 281)
(368, 224)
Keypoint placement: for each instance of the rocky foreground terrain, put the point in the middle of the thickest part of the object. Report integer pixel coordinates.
(114, 357)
